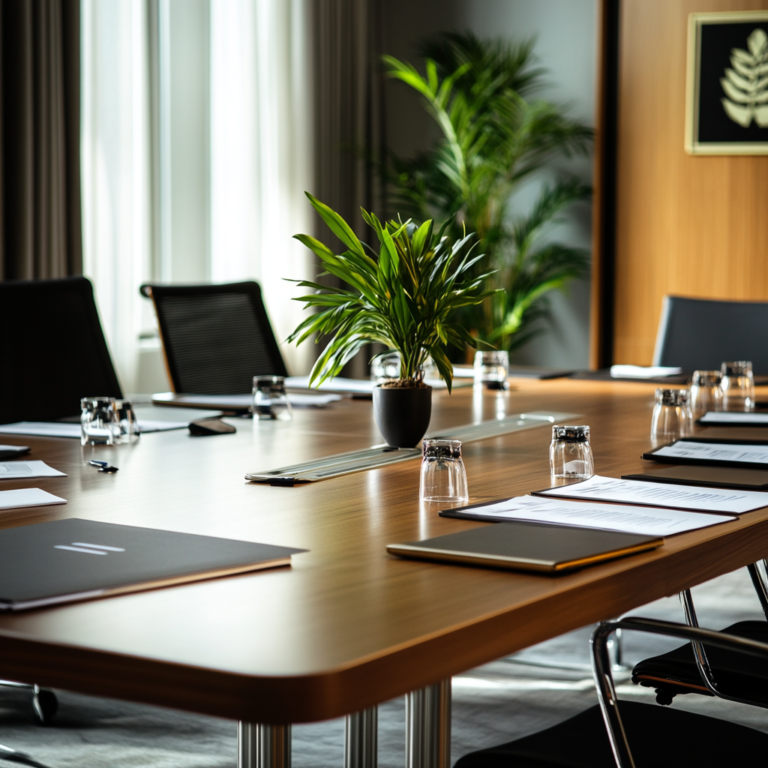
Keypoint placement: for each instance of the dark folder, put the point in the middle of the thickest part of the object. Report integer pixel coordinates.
(707, 477)
(13, 451)
(75, 559)
(528, 547)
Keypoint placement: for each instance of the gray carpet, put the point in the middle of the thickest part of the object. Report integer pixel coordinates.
(491, 704)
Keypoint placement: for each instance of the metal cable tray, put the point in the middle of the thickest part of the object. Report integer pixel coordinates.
(381, 455)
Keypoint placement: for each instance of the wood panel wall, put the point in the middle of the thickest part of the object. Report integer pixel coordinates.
(685, 225)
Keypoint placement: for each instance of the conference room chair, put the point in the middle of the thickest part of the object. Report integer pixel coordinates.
(54, 353)
(711, 672)
(700, 334)
(215, 338)
(630, 734)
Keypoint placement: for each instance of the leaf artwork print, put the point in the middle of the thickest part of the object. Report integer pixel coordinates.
(746, 83)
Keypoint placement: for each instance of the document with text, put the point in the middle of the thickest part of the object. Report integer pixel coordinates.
(714, 418)
(719, 453)
(597, 488)
(609, 517)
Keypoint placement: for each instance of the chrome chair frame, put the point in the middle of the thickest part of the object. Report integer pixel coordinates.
(602, 662)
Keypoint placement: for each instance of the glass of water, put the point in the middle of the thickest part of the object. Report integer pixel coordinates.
(738, 386)
(98, 421)
(385, 367)
(706, 392)
(128, 426)
(443, 476)
(491, 369)
(672, 417)
(270, 400)
(570, 454)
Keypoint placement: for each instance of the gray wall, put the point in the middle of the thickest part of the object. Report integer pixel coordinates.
(566, 31)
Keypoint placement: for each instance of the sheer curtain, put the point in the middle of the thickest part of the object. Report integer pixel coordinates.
(261, 153)
(258, 109)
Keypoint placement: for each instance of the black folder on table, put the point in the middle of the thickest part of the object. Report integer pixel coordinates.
(523, 546)
(13, 451)
(707, 477)
(726, 443)
(74, 559)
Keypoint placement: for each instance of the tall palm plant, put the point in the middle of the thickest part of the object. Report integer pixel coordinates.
(494, 137)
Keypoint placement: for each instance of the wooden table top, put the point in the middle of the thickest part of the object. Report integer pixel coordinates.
(347, 626)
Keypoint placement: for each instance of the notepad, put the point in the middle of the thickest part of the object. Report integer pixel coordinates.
(76, 559)
(648, 521)
(526, 546)
(597, 488)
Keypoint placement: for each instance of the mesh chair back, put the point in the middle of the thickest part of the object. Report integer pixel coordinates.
(216, 338)
(53, 350)
(699, 334)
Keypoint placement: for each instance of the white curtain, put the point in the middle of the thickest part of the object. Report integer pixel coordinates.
(115, 170)
(261, 157)
(260, 160)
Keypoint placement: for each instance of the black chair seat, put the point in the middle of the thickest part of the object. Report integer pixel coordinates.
(736, 675)
(658, 737)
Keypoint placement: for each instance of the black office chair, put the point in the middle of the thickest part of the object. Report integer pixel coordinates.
(714, 672)
(53, 350)
(601, 736)
(699, 334)
(215, 338)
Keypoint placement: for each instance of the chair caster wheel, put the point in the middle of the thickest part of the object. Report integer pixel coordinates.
(45, 705)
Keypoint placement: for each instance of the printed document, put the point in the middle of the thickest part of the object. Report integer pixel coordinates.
(727, 501)
(610, 517)
(15, 470)
(28, 497)
(725, 452)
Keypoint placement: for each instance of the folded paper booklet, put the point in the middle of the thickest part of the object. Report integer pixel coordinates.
(528, 547)
(67, 560)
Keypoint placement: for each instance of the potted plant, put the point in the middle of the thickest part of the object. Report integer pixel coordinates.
(405, 297)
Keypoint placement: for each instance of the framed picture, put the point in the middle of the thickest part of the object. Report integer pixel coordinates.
(727, 87)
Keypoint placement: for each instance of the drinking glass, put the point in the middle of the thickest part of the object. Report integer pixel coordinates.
(706, 392)
(738, 386)
(443, 477)
(386, 367)
(672, 417)
(492, 369)
(270, 401)
(98, 421)
(128, 430)
(570, 454)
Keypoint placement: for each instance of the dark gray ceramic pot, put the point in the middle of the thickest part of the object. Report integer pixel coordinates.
(402, 415)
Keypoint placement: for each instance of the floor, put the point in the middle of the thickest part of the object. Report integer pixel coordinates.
(491, 704)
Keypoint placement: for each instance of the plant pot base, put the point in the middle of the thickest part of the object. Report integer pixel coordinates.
(402, 415)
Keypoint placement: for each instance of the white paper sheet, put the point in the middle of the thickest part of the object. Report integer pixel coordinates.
(644, 371)
(611, 517)
(743, 452)
(63, 429)
(298, 400)
(598, 488)
(360, 386)
(15, 470)
(28, 497)
(733, 417)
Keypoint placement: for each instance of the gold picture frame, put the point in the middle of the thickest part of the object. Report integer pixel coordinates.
(727, 84)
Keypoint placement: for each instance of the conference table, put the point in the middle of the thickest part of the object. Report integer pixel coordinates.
(347, 626)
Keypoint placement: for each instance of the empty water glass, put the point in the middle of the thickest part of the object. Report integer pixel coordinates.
(443, 477)
(385, 367)
(738, 386)
(492, 369)
(98, 421)
(706, 392)
(128, 426)
(270, 401)
(570, 454)
(672, 417)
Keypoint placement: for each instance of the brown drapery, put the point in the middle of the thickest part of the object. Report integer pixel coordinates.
(40, 223)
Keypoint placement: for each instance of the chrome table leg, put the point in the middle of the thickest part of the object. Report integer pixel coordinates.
(428, 727)
(362, 740)
(263, 746)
